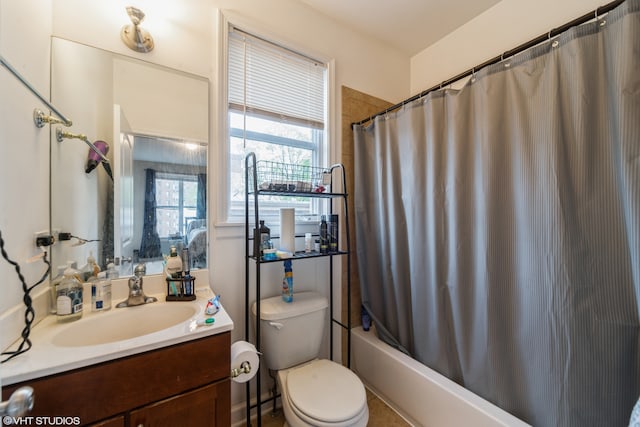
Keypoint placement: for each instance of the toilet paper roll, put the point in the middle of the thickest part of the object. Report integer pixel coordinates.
(288, 229)
(244, 361)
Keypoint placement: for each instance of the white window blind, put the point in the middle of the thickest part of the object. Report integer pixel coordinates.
(270, 80)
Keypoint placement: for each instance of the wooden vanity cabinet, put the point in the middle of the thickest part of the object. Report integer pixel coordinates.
(183, 385)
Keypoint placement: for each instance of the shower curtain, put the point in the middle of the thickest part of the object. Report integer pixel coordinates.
(498, 227)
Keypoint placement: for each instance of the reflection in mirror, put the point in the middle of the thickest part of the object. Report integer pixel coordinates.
(155, 122)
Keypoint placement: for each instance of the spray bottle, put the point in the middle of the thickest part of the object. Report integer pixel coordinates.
(287, 282)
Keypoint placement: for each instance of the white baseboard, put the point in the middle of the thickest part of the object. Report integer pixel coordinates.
(238, 411)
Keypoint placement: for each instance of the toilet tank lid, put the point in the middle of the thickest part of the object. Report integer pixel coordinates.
(303, 302)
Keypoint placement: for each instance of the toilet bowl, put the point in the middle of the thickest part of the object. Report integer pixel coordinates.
(323, 393)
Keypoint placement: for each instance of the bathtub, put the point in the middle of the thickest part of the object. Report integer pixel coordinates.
(419, 394)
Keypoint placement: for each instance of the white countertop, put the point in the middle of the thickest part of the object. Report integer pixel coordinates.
(46, 358)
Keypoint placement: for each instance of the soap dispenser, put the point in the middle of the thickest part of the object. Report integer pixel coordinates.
(69, 297)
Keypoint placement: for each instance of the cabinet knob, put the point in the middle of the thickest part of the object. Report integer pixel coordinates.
(140, 425)
(19, 403)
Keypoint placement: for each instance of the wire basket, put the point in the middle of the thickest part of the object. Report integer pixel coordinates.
(289, 178)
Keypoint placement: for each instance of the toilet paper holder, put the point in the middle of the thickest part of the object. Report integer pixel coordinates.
(245, 361)
(245, 368)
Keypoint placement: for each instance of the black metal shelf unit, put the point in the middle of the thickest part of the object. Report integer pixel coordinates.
(278, 179)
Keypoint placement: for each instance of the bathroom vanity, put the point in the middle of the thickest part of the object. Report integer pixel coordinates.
(181, 385)
(175, 376)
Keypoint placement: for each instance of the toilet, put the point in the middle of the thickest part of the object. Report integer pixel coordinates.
(314, 391)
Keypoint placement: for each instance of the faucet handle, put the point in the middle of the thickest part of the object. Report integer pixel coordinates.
(135, 286)
(140, 270)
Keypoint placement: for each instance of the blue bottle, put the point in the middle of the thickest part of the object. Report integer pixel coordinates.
(287, 282)
(366, 319)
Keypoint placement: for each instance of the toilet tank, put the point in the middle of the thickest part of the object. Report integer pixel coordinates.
(291, 332)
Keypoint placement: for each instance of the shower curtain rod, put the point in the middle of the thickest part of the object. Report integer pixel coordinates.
(33, 90)
(552, 33)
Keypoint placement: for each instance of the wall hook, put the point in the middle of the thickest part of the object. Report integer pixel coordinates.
(40, 119)
(62, 135)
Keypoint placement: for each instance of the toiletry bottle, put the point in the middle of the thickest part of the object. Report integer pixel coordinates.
(54, 288)
(186, 273)
(91, 269)
(324, 235)
(112, 271)
(105, 284)
(307, 242)
(186, 262)
(101, 292)
(265, 237)
(366, 318)
(69, 297)
(174, 264)
(333, 233)
(96, 294)
(287, 282)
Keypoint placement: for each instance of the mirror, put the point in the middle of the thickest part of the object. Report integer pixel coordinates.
(155, 122)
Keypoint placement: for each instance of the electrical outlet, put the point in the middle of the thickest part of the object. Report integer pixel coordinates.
(42, 233)
(43, 238)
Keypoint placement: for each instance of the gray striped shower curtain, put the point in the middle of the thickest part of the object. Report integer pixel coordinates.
(498, 227)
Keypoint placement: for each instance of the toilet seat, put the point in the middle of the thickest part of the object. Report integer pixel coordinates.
(324, 393)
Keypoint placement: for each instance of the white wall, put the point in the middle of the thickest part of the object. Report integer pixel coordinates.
(24, 149)
(499, 29)
(83, 91)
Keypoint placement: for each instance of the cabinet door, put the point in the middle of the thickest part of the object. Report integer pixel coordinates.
(203, 407)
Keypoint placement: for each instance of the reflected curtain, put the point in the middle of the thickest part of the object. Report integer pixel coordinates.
(201, 202)
(498, 227)
(107, 228)
(150, 244)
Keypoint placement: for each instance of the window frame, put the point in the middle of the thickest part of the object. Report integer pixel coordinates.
(325, 150)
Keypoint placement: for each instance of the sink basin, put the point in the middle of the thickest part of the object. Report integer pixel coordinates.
(120, 324)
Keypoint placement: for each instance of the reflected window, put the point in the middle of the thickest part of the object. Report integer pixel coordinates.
(176, 203)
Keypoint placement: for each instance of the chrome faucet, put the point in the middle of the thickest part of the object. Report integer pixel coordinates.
(136, 294)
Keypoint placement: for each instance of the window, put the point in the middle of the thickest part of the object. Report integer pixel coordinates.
(176, 203)
(277, 109)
